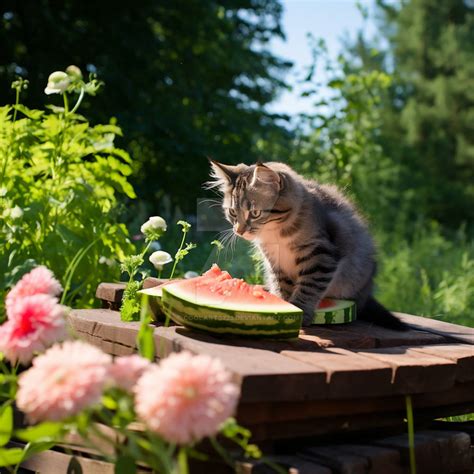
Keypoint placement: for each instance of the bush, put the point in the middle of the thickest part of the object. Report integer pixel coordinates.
(429, 275)
(60, 178)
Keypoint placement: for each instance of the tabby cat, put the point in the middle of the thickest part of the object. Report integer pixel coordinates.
(313, 240)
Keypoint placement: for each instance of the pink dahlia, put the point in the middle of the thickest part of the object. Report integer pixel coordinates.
(126, 370)
(63, 381)
(39, 281)
(35, 323)
(186, 397)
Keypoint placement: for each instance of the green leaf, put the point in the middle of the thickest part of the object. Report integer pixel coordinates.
(125, 465)
(6, 424)
(10, 456)
(48, 429)
(145, 337)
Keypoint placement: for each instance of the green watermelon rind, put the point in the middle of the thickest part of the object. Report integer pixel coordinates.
(344, 311)
(221, 320)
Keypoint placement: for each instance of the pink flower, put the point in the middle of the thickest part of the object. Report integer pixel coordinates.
(186, 397)
(126, 370)
(35, 323)
(63, 381)
(39, 281)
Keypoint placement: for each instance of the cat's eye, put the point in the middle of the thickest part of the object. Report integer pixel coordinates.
(232, 213)
(255, 213)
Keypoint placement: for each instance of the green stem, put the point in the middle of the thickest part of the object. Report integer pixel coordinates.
(66, 104)
(177, 253)
(17, 101)
(79, 100)
(183, 461)
(411, 433)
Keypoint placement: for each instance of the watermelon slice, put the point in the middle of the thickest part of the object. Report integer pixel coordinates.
(332, 311)
(215, 302)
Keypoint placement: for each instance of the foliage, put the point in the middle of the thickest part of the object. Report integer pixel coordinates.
(430, 275)
(182, 89)
(60, 182)
(427, 116)
(153, 229)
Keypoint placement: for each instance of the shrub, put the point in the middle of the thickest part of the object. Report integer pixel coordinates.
(60, 180)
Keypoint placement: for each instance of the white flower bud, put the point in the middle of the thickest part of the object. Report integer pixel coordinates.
(159, 259)
(58, 82)
(155, 224)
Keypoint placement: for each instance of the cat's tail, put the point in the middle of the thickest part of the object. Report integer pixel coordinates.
(373, 312)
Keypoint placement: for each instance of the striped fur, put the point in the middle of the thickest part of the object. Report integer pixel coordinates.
(313, 240)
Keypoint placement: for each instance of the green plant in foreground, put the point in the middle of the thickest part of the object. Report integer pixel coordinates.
(60, 181)
(153, 229)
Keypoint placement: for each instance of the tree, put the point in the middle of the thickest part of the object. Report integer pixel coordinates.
(429, 121)
(185, 79)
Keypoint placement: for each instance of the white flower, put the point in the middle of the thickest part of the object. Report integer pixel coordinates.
(191, 274)
(74, 71)
(58, 82)
(107, 261)
(16, 212)
(159, 259)
(3, 191)
(154, 226)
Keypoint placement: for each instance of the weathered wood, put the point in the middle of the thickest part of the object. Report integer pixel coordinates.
(415, 372)
(435, 452)
(380, 460)
(291, 465)
(264, 375)
(447, 330)
(337, 460)
(385, 337)
(461, 354)
(348, 374)
(110, 292)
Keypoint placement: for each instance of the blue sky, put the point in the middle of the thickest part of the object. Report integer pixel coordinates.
(327, 19)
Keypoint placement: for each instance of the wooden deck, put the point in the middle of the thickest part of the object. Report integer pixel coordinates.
(330, 382)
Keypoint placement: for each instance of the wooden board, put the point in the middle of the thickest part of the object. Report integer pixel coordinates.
(413, 371)
(461, 354)
(435, 452)
(447, 330)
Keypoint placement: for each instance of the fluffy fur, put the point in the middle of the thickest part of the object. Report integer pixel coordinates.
(313, 240)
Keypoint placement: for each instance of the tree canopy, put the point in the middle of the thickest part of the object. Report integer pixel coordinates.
(185, 79)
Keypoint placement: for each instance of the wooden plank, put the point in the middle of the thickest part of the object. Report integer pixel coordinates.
(337, 336)
(384, 337)
(427, 405)
(435, 452)
(349, 375)
(461, 354)
(49, 462)
(380, 460)
(110, 292)
(337, 460)
(448, 330)
(264, 375)
(415, 372)
(290, 464)
(104, 324)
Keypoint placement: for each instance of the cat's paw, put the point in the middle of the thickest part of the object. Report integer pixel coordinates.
(308, 317)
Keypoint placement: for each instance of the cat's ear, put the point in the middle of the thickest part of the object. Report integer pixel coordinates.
(222, 174)
(265, 175)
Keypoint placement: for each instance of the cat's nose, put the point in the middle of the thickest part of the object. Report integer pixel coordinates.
(239, 228)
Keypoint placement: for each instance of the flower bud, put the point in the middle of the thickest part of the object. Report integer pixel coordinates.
(74, 72)
(159, 259)
(58, 82)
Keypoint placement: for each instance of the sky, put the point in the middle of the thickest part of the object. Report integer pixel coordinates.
(327, 19)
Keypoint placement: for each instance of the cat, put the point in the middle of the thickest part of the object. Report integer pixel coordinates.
(313, 241)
